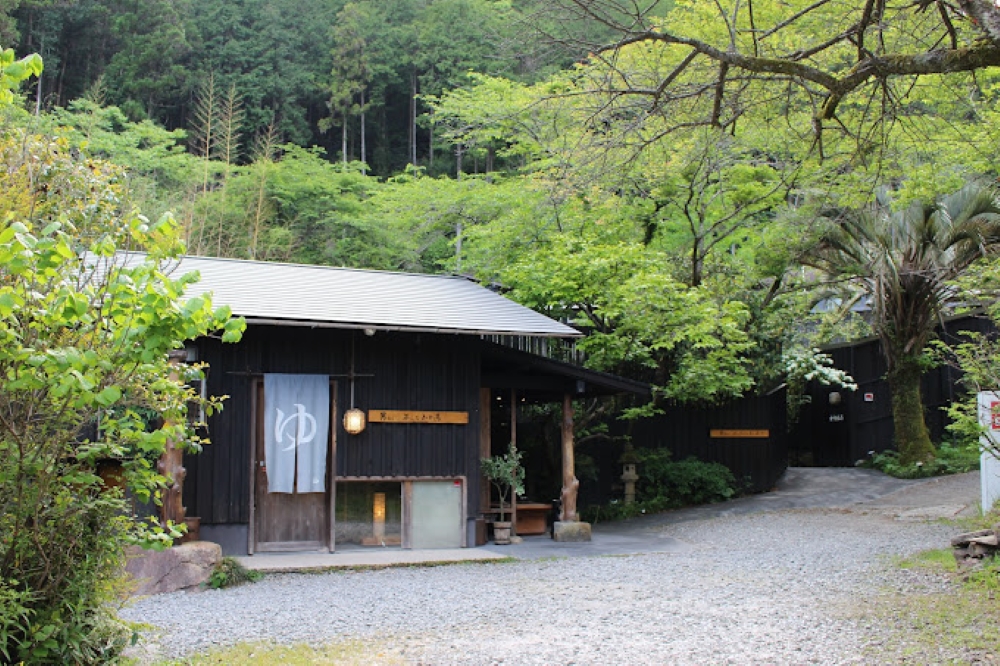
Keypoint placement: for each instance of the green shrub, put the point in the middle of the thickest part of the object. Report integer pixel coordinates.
(667, 484)
(85, 339)
(948, 459)
(688, 482)
(229, 573)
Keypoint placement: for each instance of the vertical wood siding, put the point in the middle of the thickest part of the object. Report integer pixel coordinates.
(408, 371)
(757, 464)
(867, 426)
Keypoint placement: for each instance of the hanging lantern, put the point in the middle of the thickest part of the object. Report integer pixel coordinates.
(354, 420)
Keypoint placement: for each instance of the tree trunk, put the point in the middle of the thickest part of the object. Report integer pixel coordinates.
(571, 485)
(364, 152)
(343, 139)
(413, 117)
(430, 145)
(38, 90)
(913, 440)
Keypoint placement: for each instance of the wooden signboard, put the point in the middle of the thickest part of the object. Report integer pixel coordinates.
(410, 416)
(736, 433)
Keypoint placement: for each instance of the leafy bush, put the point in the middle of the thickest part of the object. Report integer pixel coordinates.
(85, 337)
(229, 573)
(681, 483)
(667, 484)
(948, 459)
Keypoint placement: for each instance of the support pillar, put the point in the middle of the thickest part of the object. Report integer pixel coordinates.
(171, 466)
(570, 485)
(569, 527)
(513, 446)
(485, 445)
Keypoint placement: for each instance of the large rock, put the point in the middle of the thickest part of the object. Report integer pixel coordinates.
(178, 568)
(570, 531)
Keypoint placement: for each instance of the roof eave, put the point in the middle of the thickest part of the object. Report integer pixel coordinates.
(360, 326)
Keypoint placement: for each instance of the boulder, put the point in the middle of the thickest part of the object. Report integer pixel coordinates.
(570, 531)
(178, 568)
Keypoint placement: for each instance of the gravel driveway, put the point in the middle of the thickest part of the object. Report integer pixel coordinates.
(789, 586)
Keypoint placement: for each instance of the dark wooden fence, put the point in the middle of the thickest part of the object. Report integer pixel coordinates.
(829, 433)
(748, 436)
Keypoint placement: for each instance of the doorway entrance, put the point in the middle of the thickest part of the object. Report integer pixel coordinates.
(289, 521)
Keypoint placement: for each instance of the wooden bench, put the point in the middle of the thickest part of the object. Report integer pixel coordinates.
(532, 518)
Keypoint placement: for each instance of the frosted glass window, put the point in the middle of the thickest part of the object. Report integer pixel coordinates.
(437, 514)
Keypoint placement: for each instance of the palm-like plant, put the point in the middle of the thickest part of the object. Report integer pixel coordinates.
(904, 261)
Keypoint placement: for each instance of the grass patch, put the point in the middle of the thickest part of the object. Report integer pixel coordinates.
(348, 653)
(956, 620)
(978, 521)
(938, 559)
(960, 627)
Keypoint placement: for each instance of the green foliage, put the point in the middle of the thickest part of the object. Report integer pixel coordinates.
(506, 473)
(678, 483)
(805, 365)
(14, 71)
(669, 484)
(161, 173)
(905, 260)
(985, 579)
(948, 459)
(293, 206)
(85, 331)
(230, 573)
(978, 357)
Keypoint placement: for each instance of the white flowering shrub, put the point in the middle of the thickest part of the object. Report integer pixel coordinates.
(802, 366)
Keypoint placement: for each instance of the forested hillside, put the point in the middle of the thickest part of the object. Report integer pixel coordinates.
(304, 68)
(661, 174)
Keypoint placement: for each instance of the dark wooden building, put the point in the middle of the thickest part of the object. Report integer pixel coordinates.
(837, 428)
(408, 351)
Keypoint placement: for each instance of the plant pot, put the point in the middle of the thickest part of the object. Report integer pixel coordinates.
(501, 533)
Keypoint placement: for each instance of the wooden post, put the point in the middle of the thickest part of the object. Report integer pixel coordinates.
(171, 466)
(513, 446)
(570, 483)
(485, 445)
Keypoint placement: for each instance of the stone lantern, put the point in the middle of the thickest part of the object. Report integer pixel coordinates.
(629, 475)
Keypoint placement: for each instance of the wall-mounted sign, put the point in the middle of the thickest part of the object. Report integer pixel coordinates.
(410, 416)
(737, 433)
(869, 397)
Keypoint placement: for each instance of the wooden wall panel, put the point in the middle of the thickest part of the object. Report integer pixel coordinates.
(406, 371)
(686, 432)
(867, 425)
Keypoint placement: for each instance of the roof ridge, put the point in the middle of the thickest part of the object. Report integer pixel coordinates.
(291, 264)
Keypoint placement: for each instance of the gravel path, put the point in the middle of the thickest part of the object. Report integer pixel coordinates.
(786, 587)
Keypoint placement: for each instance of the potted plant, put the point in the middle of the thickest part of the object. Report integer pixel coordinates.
(506, 473)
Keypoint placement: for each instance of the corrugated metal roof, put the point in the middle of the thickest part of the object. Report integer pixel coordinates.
(289, 294)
